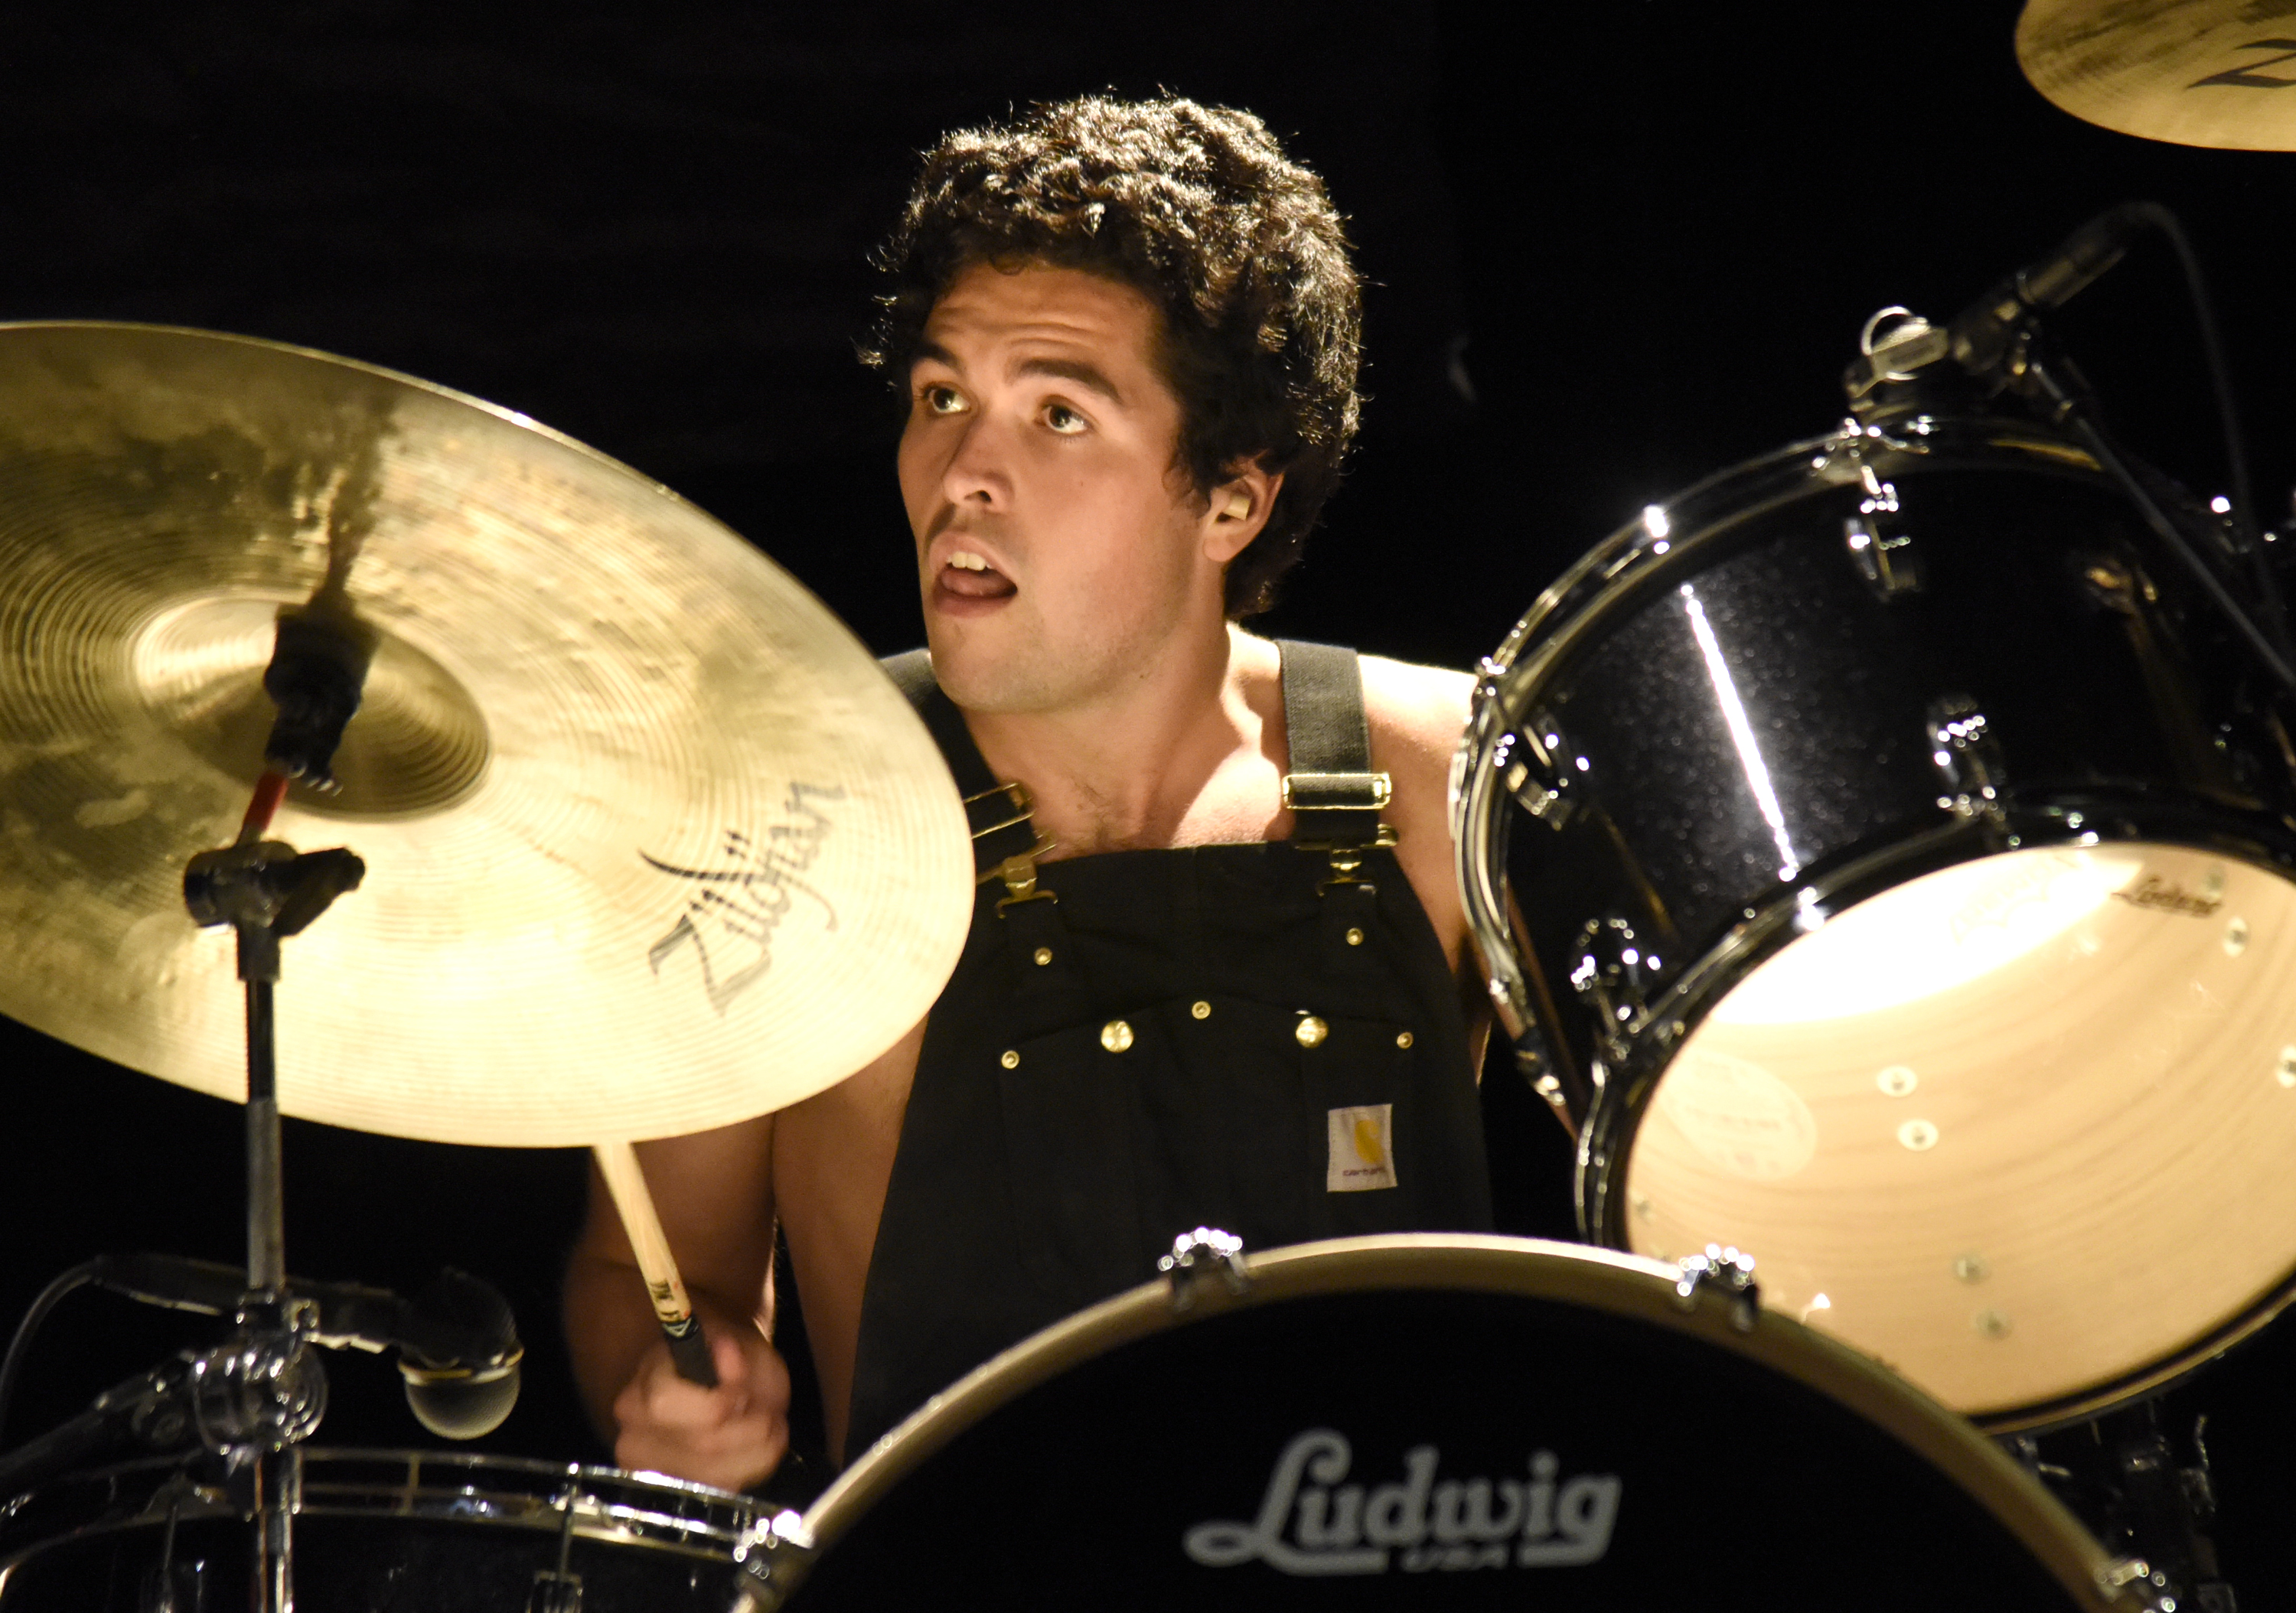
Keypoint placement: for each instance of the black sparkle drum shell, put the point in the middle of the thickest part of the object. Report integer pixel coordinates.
(1895, 852)
(379, 1532)
(1461, 1422)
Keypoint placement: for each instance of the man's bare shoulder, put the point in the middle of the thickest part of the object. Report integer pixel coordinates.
(1416, 715)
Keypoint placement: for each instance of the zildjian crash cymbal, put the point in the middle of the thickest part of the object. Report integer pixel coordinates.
(652, 845)
(2197, 72)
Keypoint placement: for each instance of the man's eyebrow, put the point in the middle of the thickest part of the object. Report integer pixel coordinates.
(1087, 376)
(933, 352)
(1076, 369)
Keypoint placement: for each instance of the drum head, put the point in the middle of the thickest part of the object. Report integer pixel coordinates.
(1422, 1421)
(1982, 1125)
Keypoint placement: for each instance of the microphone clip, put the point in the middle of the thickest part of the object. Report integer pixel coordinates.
(263, 1388)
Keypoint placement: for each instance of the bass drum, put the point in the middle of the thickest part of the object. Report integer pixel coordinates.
(384, 1532)
(1427, 1421)
(1883, 858)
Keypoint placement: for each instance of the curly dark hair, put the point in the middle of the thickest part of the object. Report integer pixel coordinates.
(1199, 209)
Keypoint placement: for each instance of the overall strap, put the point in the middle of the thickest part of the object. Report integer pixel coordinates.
(1005, 842)
(1334, 797)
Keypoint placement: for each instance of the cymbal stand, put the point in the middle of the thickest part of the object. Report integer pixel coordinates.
(263, 1391)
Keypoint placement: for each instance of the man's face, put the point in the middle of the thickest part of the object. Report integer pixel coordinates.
(1057, 546)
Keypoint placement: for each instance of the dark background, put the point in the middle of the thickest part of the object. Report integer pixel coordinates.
(1608, 258)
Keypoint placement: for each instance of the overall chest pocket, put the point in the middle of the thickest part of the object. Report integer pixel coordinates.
(1277, 1125)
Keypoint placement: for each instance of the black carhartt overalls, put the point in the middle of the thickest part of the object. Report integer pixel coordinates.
(1262, 1038)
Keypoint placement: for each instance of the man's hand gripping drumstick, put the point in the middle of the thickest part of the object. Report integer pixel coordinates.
(707, 1404)
(689, 1351)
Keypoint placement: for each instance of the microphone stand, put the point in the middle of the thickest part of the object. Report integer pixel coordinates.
(2064, 399)
(2134, 1490)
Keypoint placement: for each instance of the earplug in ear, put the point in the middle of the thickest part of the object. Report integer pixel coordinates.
(1239, 506)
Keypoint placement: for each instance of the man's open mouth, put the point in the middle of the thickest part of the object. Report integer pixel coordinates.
(970, 577)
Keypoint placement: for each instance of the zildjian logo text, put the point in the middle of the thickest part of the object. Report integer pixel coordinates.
(734, 908)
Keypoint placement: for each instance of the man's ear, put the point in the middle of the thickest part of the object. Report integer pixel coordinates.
(1239, 508)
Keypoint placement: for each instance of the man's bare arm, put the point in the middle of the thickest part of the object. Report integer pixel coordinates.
(1417, 716)
(714, 1192)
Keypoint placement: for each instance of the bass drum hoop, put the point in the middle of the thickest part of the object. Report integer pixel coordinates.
(1604, 1281)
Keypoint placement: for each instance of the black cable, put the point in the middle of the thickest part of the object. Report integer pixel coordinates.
(12, 1365)
(2110, 458)
(2242, 494)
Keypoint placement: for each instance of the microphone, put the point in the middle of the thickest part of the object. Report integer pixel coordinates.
(457, 1341)
(459, 1353)
(1979, 335)
(151, 1411)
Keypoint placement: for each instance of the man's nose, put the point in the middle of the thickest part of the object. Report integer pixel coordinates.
(979, 472)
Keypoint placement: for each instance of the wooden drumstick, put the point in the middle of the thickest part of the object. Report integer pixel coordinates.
(618, 1162)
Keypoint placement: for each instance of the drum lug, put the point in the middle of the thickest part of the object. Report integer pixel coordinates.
(558, 1589)
(1195, 1256)
(1611, 978)
(1529, 763)
(771, 1551)
(2134, 1576)
(1728, 1272)
(554, 1592)
(1885, 560)
(1968, 759)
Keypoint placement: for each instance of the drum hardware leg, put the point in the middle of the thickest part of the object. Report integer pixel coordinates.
(1727, 1271)
(2122, 1476)
(1609, 978)
(1195, 1256)
(1535, 1059)
(278, 1496)
(1967, 758)
(558, 1589)
(172, 1586)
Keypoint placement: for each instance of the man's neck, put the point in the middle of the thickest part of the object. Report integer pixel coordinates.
(1131, 768)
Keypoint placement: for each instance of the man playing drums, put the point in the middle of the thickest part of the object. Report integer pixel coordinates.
(1218, 971)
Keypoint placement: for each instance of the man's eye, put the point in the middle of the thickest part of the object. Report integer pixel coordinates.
(941, 400)
(1063, 419)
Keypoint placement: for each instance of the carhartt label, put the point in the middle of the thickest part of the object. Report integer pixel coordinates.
(1310, 1522)
(1363, 1148)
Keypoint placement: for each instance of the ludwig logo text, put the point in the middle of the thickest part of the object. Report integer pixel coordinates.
(1310, 1522)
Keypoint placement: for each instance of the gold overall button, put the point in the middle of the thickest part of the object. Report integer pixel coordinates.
(1403, 1038)
(1202, 1010)
(1355, 936)
(1116, 1035)
(1010, 1060)
(1044, 956)
(1311, 1030)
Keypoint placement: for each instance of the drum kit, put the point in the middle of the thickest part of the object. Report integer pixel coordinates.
(1882, 854)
